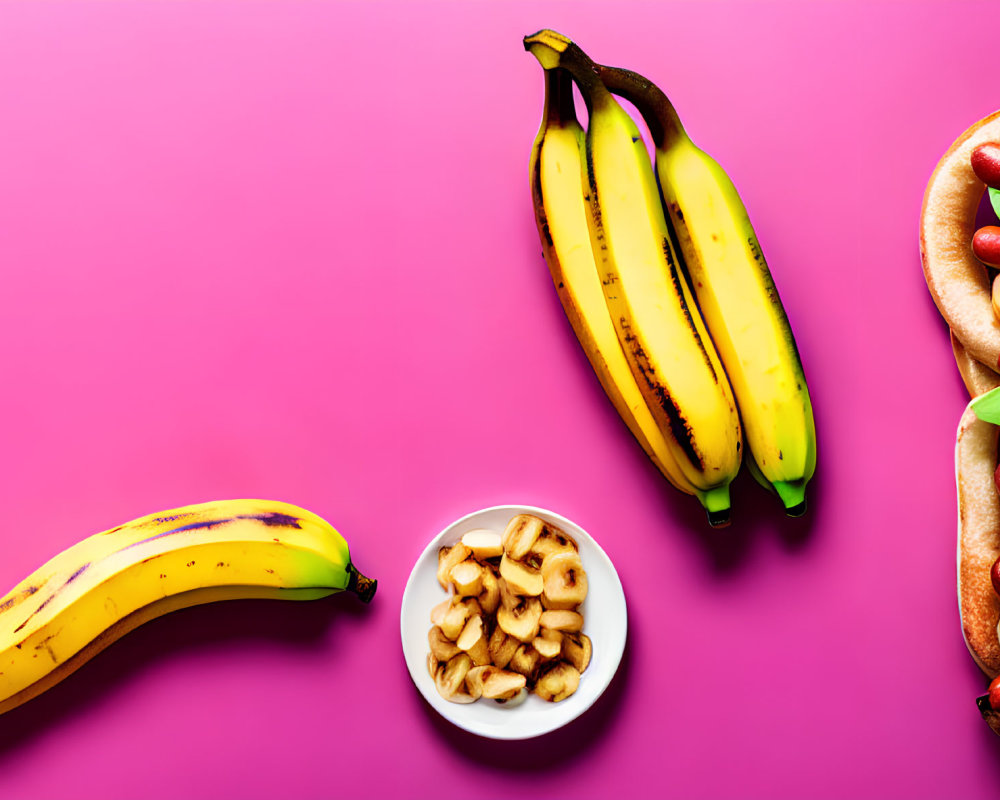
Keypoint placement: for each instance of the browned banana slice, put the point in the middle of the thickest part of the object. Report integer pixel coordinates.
(978, 538)
(457, 615)
(508, 599)
(502, 647)
(525, 661)
(978, 379)
(489, 597)
(553, 540)
(516, 700)
(565, 582)
(521, 622)
(958, 282)
(500, 684)
(450, 679)
(442, 648)
(494, 683)
(448, 557)
(561, 620)
(454, 620)
(548, 644)
(484, 544)
(557, 682)
(432, 665)
(521, 579)
(467, 577)
(520, 535)
(577, 649)
(473, 641)
(439, 611)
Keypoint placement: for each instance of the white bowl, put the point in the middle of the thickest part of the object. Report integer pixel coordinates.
(605, 622)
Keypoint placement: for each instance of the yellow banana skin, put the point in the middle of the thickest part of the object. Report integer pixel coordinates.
(657, 322)
(557, 173)
(736, 294)
(96, 591)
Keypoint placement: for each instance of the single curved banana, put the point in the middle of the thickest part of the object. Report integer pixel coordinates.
(736, 294)
(557, 172)
(656, 319)
(96, 591)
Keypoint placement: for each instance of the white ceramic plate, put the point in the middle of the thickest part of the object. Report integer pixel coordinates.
(605, 622)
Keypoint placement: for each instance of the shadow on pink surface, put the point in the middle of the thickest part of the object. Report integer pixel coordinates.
(756, 516)
(206, 629)
(562, 746)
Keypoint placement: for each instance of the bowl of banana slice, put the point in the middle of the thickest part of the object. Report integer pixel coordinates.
(513, 622)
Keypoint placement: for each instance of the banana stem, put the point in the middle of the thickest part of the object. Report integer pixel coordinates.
(658, 112)
(559, 106)
(363, 587)
(554, 50)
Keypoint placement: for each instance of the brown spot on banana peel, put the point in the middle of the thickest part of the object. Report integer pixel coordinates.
(17, 599)
(957, 281)
(679, 426)
(52, 596)
(270, 520)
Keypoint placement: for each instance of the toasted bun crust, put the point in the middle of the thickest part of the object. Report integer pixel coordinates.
(957, 281)
(977, 377)
(978, 538)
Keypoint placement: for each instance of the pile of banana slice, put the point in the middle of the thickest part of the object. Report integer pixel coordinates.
(512, 623)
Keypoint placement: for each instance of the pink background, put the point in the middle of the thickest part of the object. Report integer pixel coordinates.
(287, 250)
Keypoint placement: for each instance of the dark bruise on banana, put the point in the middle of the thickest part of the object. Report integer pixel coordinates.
(512, 623)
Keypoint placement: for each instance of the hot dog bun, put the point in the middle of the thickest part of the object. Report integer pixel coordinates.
(978, 538)
(978, 378)
(957, 281)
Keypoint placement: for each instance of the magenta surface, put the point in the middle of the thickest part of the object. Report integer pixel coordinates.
(287, 250)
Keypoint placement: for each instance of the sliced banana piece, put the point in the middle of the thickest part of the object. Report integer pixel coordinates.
(520, 534)
(521, 622)
(467, 576)
(553, 540)
(514, 701)
(561, 620)
(558, 682)
(577, 649)
(484, 544)
(450, 679)
(449, 557)
(502, 647)
(442, 648)
(473, 641)
(564, 579)
(521, 579)
(548, 644)
(489, 595)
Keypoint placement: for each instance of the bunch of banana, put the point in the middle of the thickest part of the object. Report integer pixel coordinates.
(95, 592)
(691, 375)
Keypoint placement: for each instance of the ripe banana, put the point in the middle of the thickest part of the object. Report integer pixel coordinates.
(557, 174)
(736, 294)
(657, 323)
(96, 591)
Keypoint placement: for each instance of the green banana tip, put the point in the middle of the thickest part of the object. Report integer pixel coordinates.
(793, 496)
(363, 587)
(717, 506)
